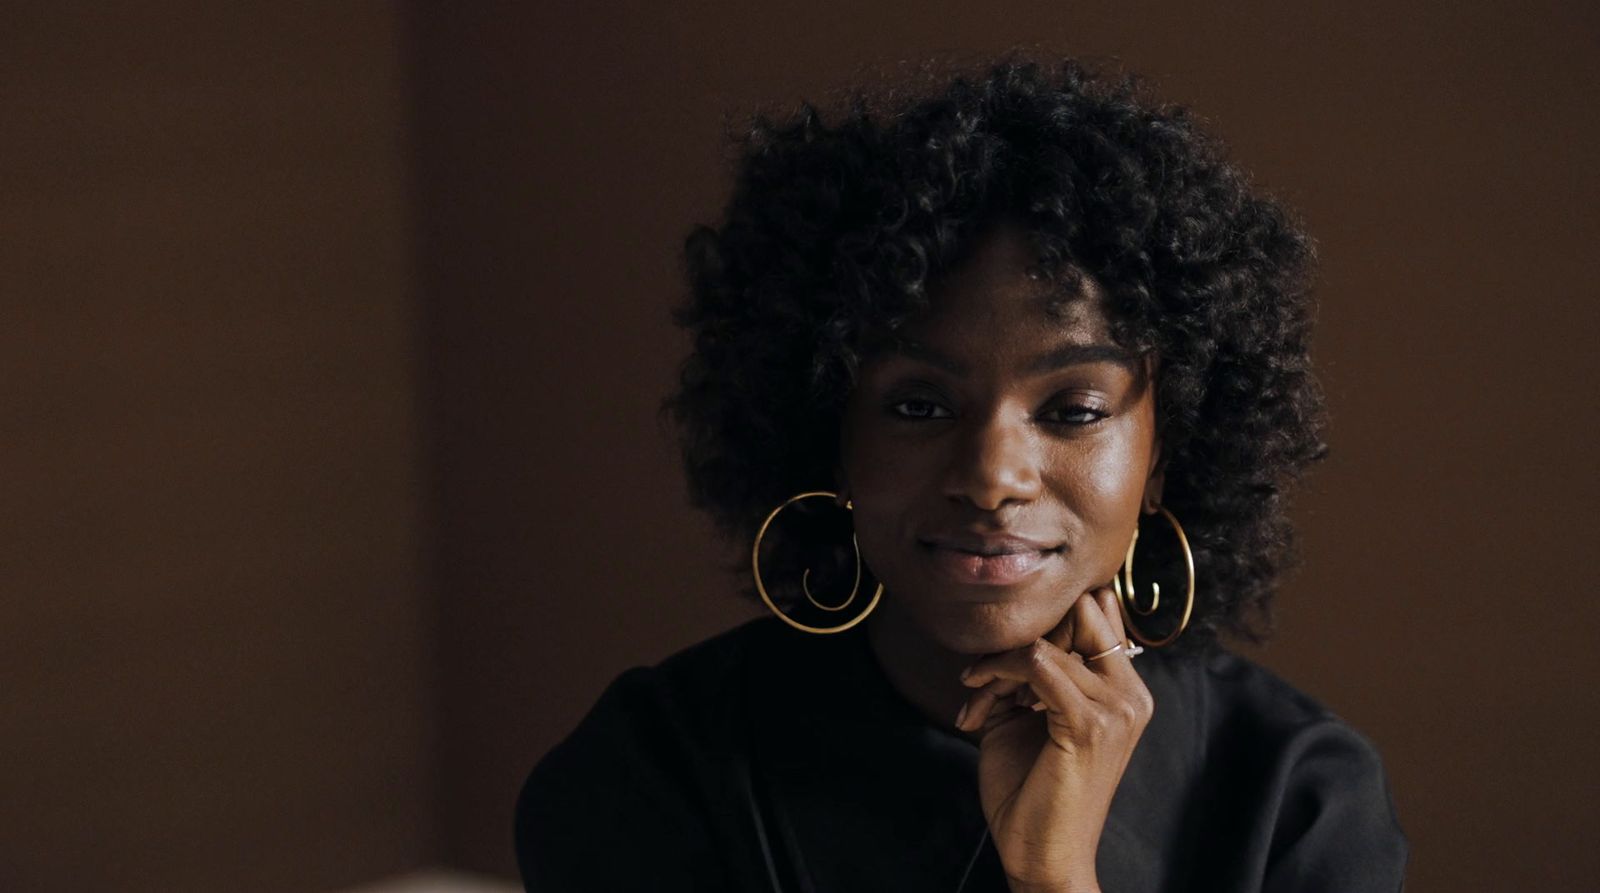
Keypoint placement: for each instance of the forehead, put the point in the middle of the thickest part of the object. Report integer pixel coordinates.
(991, 302)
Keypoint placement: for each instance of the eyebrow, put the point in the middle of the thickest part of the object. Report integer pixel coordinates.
(1059, 358)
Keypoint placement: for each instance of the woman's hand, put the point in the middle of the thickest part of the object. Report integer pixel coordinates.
(1046, 778)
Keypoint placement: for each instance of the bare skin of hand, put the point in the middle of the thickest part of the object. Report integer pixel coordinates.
(1055, 735)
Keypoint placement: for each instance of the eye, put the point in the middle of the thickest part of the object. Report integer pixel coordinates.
(918, 409)
(1077, 415)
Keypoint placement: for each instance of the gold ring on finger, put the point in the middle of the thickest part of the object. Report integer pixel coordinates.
(1106, 653)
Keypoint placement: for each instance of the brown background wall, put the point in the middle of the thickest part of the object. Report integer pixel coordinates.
(301, 573)
(213, 654)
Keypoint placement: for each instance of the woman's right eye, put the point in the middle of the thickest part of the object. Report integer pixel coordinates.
(919, 409)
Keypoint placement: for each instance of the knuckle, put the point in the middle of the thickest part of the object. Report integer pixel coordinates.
(1098, 725)
(1039, 656)
(1146, 702)
(1000, 687)
(1129, 712)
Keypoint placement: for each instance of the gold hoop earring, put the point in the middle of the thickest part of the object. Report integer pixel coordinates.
(1130, 603)
(755, 566)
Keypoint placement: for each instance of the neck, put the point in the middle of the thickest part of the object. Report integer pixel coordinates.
(925, 673)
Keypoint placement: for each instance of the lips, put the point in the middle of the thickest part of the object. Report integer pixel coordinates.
(986, 559)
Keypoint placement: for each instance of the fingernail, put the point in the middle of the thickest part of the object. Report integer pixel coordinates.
(1038, 706)
(961, 718)
(966, 674)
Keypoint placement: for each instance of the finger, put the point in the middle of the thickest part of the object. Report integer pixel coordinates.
(1061, 635)
(1132, 698)
(1127, 711)
(996, 692)
(982, 703)
(1042, 666)
(1111, 606)
(1025, 696)
(1088, 681)
(1098, 633)
(1071, 634)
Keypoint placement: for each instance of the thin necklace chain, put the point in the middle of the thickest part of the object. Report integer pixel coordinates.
(974, 860)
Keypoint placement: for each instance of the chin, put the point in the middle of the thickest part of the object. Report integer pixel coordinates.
(978, 628)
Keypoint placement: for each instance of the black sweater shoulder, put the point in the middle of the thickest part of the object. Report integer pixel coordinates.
(642, 780)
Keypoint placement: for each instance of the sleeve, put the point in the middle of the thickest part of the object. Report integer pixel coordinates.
(619, 804)
(1335, 827)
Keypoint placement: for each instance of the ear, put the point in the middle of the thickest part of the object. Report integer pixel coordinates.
(1157, 479)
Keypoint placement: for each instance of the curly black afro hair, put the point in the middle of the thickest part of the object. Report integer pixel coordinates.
(835, 230)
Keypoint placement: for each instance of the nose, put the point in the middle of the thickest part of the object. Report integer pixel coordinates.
(994, 462)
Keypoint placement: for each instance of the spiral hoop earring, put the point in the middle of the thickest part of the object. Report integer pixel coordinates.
(1130, 603)
(761, 587)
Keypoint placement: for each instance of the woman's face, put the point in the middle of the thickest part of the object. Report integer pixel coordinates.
(997, 467)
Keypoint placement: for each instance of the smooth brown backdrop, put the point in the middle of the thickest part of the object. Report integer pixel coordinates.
(332, 336)
(1442, 154)
(214, 653)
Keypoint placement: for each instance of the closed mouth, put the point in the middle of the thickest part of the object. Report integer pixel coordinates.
(987, 546)
(989, 564)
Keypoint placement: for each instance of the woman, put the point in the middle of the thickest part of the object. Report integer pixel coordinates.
(1001, 385)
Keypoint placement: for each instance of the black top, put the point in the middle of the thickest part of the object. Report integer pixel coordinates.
(766, 759)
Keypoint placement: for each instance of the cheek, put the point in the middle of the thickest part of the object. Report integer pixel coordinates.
(887, 484)
(1114, 480)
(883, 494)
(880, 469)
(1105, 487)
